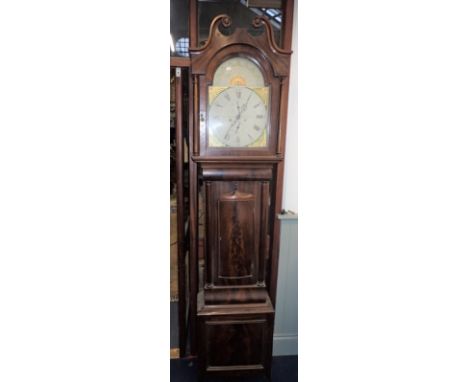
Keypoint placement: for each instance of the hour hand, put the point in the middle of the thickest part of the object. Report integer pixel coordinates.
(235, 121)
(226, 136)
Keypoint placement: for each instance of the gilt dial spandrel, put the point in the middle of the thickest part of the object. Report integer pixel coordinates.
(238, 106)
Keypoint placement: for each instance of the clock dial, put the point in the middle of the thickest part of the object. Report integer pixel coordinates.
(237, 117)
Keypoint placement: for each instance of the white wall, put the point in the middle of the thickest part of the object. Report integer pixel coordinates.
(290, 199)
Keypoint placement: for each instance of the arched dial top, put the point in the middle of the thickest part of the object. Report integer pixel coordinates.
(238, 105)
(238, 71)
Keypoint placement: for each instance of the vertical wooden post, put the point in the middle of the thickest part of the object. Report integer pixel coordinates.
(287, 27)
(193, 226)
(277, 197)
(180, 210)
(193, 190)
(283, 113)
(207, 247)
(196, 113)
(265, 190)
(193, 23)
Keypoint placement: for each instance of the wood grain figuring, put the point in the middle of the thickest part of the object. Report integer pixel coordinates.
(229, 310)
(236, 173)
(235, 342)
(180, 62)
(236, 216)
(224, 239)
(249, 294)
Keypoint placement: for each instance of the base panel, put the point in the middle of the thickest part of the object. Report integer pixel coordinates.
(235, 342)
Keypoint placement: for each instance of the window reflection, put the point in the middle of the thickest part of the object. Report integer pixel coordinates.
(180, 27)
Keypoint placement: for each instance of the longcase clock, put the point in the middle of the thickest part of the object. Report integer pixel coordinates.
(239, 89)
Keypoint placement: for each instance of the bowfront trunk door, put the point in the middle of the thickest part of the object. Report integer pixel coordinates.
(237, 244)
(237, 235)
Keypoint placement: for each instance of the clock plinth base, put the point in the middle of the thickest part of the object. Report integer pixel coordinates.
(235, 339)
(226, 295)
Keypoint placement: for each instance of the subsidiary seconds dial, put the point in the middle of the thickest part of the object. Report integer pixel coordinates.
(237, 117)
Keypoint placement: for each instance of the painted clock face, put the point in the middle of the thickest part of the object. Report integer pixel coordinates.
(238, 106)
(238, 117)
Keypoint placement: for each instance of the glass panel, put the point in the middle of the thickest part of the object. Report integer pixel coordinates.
(240, 13)
(179, 28)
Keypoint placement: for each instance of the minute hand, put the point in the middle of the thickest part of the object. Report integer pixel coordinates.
(232, 124)
(244, 106)
(242, 109)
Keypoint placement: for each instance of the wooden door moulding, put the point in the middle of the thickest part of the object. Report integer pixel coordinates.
(243, 159)
(236, 173)
(205, 309)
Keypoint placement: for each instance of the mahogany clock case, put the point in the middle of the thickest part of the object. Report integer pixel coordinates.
(242, 191)
(228, 254)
